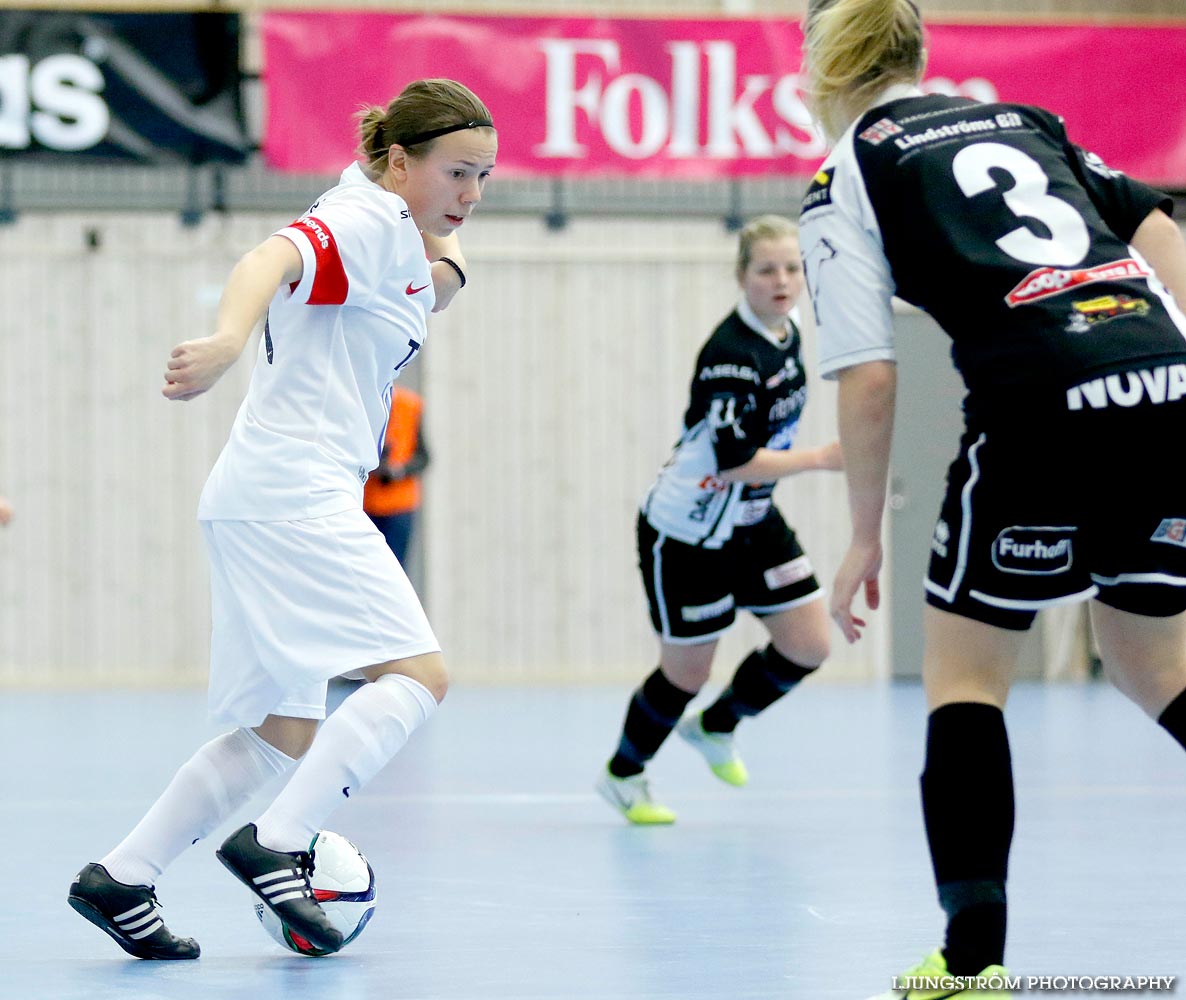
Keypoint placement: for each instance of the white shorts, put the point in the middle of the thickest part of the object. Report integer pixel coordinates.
(294, 603)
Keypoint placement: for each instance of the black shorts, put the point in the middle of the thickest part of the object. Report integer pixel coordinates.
(694, 592)
(1086, 504)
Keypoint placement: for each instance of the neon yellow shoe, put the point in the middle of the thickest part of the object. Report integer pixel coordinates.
(930, 980)
(632, 798)
(716, 748)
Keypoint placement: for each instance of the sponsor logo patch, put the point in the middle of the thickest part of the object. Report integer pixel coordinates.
(1048, 281)
(1033, 551)
(752, 511)
(788, 370)
(965, 126)
(787, 573)
(1097, 165)
(1165, 383)
(703, 612)
(1172, 531)
(743, 372)
(819, 192)
(879, 131)
(330, 283)
(940, 539)
(722, 415)
(1087, 313)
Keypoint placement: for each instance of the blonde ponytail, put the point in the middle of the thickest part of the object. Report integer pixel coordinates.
(855, 48)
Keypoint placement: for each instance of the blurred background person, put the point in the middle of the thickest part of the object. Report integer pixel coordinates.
(711, 539)
(393, 491)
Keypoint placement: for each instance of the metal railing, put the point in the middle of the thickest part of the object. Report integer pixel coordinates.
(193, 192)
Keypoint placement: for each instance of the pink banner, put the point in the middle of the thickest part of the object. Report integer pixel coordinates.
(696, 99)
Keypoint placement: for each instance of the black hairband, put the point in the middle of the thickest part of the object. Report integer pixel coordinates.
(435, 133)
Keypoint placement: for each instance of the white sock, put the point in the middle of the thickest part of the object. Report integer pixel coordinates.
(353, 745)
(207, 788)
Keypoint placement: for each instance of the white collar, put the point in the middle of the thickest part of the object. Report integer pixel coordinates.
(353, 174)
(750, 319)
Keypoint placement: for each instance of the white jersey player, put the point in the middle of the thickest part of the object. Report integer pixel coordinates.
(303, 585)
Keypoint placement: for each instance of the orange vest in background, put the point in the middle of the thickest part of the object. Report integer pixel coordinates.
(402, 495)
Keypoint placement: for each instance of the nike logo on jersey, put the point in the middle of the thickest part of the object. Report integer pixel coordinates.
(413, 291)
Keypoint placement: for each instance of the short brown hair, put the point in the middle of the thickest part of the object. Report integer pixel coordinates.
(422, 106)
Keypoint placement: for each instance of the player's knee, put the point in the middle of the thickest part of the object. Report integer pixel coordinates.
(437, 680)
(291, 736)
(688, 676)
(427, 670)
(300, 742)
(805, 654)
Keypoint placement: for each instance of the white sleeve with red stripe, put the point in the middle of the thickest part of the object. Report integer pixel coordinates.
(341, 245)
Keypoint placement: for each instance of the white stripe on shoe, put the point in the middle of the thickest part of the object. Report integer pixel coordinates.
(133, 922)
(281, 886)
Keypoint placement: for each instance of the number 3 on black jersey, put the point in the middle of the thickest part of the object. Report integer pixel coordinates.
(1029, 198)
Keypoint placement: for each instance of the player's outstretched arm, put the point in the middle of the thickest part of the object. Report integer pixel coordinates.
(5, 511)
(195, 365)
(770, 463)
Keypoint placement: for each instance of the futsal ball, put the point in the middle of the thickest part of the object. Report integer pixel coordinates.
(343, 883)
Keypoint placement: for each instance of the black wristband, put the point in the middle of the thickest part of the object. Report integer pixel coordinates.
(456, 267)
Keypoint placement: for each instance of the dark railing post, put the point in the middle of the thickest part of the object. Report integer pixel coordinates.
(7, 202)
(556, 217)
(734, 220)
(191, 213)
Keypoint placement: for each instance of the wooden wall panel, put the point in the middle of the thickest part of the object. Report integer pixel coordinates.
(555, 388)
(557, 383)
(101, 573)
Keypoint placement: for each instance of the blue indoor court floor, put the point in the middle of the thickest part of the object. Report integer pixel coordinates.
(502, 877)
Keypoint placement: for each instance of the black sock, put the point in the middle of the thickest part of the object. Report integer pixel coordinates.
(967, 803)
(654, 710)
(759, 681)
(975, 938)
(1173, 719)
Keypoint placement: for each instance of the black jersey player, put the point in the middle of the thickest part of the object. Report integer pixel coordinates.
(1055, 277)
(711, 540)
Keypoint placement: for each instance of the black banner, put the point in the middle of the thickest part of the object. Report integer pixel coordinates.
(145, 88)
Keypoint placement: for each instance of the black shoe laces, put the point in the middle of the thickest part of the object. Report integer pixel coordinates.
(306, 865)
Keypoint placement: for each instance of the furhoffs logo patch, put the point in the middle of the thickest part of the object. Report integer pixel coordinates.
(1033, 551)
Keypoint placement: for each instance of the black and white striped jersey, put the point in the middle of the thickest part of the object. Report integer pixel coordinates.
(747, 393)
(1014, 240)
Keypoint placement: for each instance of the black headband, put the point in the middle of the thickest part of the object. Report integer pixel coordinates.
(435, 133)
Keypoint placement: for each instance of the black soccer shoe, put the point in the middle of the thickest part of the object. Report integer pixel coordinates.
(281, 880)
(131, 914)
